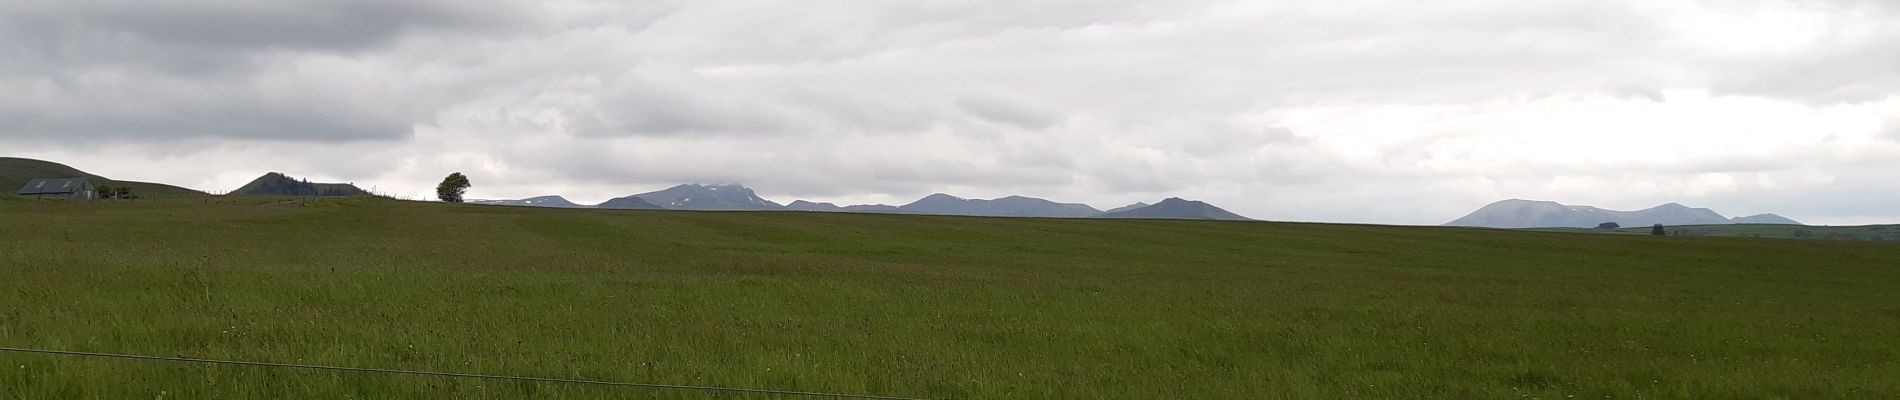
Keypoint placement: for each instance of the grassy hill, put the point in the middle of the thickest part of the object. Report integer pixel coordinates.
(15, 172)
(278, 184)
(919, 306)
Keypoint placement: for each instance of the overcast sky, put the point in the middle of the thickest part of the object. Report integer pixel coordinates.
(1402, 112)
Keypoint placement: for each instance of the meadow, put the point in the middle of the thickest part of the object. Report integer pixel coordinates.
(918, 306)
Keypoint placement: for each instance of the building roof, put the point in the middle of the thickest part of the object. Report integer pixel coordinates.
(53, 186)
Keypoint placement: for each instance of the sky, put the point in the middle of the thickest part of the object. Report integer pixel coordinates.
(1392, 112)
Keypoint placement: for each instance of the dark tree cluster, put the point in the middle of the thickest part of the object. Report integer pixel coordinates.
(452, 188)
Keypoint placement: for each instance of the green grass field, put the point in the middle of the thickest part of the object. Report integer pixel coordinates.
(919, 306)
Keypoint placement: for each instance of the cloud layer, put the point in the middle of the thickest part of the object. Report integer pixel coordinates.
(1352, 111)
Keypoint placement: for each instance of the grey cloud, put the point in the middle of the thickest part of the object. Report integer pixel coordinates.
(1855, 196)
(1851, 59)
(1079, 99)
(116, 107)
(338, 25)
(658, 100)
(1647, 91)
(1006, 110)
(1213, 140)
(1868, 72)
(1890, 123)
(832, 31)
(166, 70)
(847, 111)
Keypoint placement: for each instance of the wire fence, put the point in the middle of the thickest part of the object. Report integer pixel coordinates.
(457, 375)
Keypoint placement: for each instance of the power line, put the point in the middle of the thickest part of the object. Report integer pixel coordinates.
(451, 374)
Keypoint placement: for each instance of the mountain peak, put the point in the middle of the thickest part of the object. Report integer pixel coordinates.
(713, 197)
(1766, 219)
(1176, 208)
(801, 205)
(279, 184)
(551, 201)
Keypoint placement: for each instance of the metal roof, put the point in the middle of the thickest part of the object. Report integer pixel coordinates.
(53, 186)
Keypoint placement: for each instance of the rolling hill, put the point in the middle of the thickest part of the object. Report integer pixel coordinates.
(1764, 219)
(15, 172)
(278, 184)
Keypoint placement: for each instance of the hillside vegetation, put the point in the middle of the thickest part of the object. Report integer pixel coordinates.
(919, 306)
(15, 172)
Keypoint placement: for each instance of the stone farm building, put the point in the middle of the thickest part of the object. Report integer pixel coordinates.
(59, 188)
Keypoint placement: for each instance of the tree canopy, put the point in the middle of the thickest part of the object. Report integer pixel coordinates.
(452, 188)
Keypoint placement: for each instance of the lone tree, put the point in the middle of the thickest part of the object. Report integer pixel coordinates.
(452, 188)
(1658, 231)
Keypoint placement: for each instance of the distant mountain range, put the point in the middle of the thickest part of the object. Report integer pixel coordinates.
(1549, 214)
(543, 201)
(278, 184)
(1126, 208)
(734, 197)
(1012, 206)
(801, 205)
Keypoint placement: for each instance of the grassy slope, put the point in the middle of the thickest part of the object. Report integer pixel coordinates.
(943, 307)
(15, 172)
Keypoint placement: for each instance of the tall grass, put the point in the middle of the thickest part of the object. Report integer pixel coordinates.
(938, 307)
